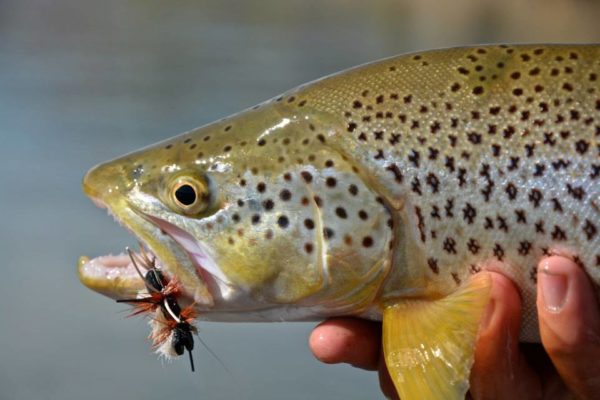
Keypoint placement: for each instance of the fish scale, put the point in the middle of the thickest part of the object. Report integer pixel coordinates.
(493, 153)
(376, 192)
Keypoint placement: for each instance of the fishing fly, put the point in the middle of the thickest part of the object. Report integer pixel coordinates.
(174, 323)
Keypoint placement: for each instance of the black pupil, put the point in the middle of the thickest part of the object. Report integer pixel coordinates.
(186, 195)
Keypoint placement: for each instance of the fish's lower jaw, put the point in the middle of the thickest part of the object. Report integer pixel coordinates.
(112, 275)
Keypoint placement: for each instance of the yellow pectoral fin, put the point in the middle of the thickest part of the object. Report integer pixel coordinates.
(429, 345)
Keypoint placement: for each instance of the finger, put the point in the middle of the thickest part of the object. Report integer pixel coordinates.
(499, 371)
(538, 360)
(347, 340)
(385, 381)
(570, 324)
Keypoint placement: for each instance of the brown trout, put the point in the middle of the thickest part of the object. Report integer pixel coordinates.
(376, 192)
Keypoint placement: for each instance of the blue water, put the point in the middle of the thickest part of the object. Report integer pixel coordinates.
(82, 82)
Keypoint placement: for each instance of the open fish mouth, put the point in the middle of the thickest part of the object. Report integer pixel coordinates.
(111, 275)
(176, 253)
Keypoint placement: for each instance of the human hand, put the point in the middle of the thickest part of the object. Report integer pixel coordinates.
(565, 365)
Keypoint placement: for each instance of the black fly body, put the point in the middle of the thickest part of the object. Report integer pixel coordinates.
(162, 295)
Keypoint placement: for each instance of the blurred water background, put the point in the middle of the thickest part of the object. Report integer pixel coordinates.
(85, 81)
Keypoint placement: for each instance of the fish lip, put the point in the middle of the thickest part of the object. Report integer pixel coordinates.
(102, 283)
(111, 275)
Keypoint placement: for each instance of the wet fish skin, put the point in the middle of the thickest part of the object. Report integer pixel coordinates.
(488, 153)
(394, 180)
(278, 254)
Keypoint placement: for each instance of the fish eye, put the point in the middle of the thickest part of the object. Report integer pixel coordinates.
(186, 194)
(189, 195)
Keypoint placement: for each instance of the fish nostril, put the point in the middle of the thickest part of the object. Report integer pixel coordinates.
(102, 181)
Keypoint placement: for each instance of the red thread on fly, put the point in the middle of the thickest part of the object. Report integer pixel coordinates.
(172, 332)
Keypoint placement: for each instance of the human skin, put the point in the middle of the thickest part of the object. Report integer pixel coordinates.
(565, 365)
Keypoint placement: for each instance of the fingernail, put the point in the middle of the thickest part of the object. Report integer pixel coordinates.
(554, 287)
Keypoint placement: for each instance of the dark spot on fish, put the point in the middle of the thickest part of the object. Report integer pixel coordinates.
(589, 229)
(473, 246)
(306, 176)
(309, 223)
(268, 204)
(499, 252)
(558, 233)
(318, 201)
(285, 195)
(478, 90)
(283, 221)
(433, 265)
(450, 245)
(341, 212)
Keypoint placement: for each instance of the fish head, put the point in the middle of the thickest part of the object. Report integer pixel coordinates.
(250, 214)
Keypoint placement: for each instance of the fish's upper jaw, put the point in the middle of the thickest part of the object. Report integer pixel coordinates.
(110, 188)
(103, 182)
